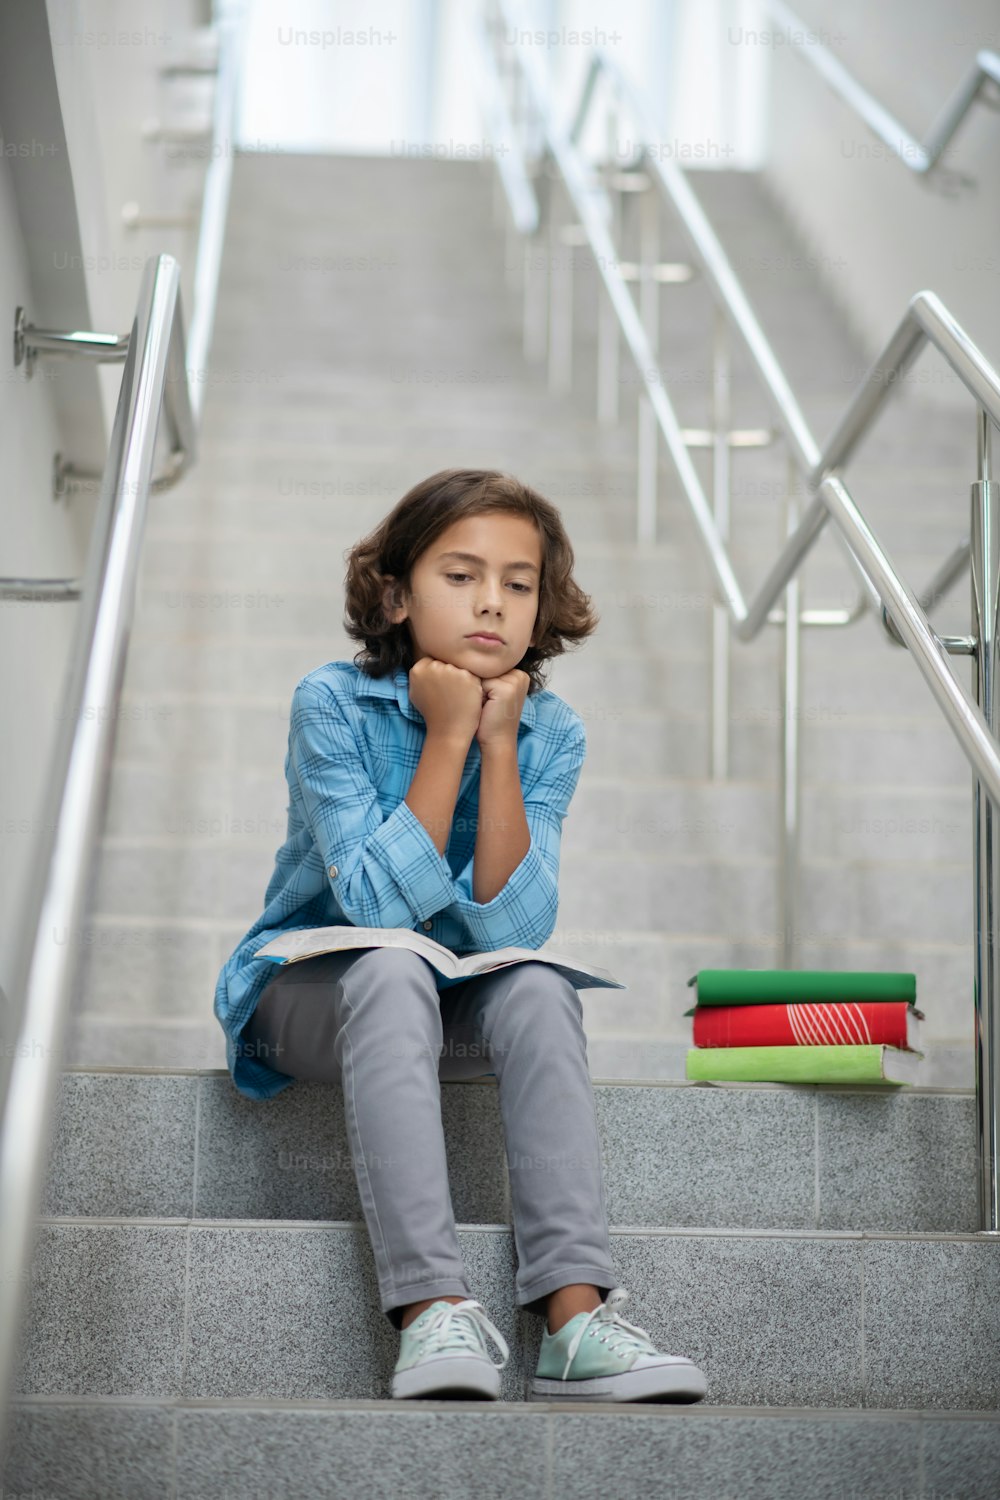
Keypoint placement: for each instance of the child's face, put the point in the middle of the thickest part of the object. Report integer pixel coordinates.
(453, 597)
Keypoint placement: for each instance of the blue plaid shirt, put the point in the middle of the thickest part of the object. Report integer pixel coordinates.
(356, 855)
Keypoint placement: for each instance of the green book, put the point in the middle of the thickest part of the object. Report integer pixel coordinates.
(798, 986)
(839, 1064)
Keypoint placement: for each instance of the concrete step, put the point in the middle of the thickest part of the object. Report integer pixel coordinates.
(116, 1037)
(652, 814)
(111, 1037)
(188, 586)
(844, 740)
(211, 630)
(148, 982)
(883, 467)
(876, 679)
(916, 750)
(655, 891)
(211, 1450)
(258, 1309)
(212, 523)
(142, 1143)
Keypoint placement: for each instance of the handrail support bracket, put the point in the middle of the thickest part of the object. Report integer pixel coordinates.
(30, 342)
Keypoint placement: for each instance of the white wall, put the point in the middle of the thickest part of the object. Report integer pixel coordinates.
(108, 55)
(880, 232)
(706, 101)
(57, 409)
(395, 76)
(344, 77)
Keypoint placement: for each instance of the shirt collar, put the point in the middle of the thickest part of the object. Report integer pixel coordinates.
(397, 685)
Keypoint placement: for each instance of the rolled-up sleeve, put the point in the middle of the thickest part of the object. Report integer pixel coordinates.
(385, 870)
(523, 914)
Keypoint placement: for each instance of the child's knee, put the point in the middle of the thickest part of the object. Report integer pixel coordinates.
(539, 1003)
(396, 968)
(394, 998)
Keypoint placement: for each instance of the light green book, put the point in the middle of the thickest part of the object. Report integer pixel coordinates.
(839, 1064)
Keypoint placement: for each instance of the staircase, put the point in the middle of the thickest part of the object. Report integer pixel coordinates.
(203, 1316)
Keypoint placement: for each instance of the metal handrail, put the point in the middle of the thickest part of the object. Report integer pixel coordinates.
(155, 385)
(516, 182)
(919, 156)
(926, 320)
(214, 205)
(46, 966)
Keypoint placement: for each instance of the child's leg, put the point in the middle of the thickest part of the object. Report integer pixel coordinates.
(530, 1020)
(370, 1020)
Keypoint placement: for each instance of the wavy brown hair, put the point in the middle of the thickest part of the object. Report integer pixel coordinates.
(565, 614)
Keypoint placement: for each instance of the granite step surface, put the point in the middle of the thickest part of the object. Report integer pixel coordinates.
(211, 1309)
(141, 1144)
(435, 1450)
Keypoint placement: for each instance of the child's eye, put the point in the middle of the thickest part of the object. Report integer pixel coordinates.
(524, 588)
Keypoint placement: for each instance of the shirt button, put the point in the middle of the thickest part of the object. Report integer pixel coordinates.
(332, 871)
(428, 925)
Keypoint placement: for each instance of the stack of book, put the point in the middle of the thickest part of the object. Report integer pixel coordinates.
(804, 1026)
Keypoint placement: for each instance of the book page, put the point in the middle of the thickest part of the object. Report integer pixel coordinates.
(311, 941)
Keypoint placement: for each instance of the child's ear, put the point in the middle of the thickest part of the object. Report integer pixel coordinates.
(391, 599)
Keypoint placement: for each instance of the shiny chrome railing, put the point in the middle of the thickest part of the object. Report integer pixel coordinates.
(974, 722)
(49, 953)
(214, 203)
(156, 384)
(921, 157)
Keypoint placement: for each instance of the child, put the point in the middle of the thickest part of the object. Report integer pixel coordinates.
(428, 782)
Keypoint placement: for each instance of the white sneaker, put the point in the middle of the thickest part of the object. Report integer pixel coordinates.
(443, 1353)
(598, 1356)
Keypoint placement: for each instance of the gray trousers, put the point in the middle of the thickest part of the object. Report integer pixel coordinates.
(373, 1022)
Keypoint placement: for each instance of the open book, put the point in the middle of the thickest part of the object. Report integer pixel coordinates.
(309, 941)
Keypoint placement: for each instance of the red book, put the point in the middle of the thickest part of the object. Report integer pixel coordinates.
(892, 1023)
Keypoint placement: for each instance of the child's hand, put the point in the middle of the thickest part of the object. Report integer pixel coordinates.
(449, 697)
(503, 700)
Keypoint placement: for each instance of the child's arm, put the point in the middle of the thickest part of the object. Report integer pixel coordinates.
(386, 870)
(522, 913)
(503, 837)
(436, 781)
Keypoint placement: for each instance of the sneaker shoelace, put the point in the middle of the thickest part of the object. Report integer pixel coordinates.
(621, 1336)
(461, 1322)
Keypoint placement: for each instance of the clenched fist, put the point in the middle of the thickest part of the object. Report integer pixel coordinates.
(503, 702)
(449, 697)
